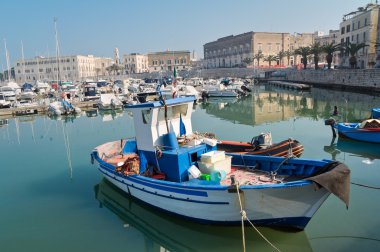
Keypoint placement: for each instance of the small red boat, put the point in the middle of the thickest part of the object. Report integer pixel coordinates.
(289, 147)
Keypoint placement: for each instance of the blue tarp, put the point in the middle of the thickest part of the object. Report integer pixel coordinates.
(27, 86)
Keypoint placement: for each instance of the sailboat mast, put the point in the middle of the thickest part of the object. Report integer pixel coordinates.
(23, 61)
(7, 59)
(57, 50)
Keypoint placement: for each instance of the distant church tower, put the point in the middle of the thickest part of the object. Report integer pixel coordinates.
(116, 55)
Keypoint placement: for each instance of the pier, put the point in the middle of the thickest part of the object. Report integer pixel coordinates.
(289, 85)
(41, 109)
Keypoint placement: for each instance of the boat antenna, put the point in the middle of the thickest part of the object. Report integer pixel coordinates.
(57, 50)
(7, 59)
(23, 61)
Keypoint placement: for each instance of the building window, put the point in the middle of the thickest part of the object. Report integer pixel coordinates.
(353, 26)
(352, 38)
(348, 28)
(169, 62)
(260, 46)
(363, 37)
(365, 22)
(270, 48)
(357, 38)
(359, 24)
(342, 30)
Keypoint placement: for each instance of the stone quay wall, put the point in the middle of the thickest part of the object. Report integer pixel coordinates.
(358, 80)
(362, 80)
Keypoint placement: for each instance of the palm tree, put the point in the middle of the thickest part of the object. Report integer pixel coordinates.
(281, 55)
(329, 49)
(247, 61)
(288, 54)
(316, 49)
(271, 58)
(258, 56)
(352, 49)
(304, 52)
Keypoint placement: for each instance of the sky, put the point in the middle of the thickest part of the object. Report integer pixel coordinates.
(97, 27)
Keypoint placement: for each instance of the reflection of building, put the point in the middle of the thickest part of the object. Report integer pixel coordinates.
(275, 105)
(231, 51)
(70, 68)
(136, 63)
(166, 61)
(361, 26)
(267, 107)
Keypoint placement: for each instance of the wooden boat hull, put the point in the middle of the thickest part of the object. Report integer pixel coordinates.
(290, 204)
(281, 149)
(352, 130)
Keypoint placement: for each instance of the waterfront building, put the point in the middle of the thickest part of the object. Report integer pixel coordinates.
(231, 51)
(166, 61)
(332, 37)
(76, 67)
(361, 26)
(135, 63)
(323, 39)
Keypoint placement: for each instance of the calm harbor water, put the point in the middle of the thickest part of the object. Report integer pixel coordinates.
(53, 199)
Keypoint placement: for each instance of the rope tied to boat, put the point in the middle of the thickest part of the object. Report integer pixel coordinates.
(290, 155)
(245, 217)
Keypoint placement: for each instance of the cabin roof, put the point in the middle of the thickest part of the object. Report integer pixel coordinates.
(157, 104)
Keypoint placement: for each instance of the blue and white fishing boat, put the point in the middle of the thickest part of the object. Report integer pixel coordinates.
(367, 131)
(375, 113)
(160, 168)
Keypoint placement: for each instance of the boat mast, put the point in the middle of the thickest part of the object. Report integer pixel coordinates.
(23, 61)
(7, 59)
(57, 50)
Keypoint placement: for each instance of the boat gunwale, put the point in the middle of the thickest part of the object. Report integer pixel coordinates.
(110, 168)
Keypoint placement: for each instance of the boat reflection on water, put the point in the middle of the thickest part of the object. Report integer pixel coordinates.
(175, 234)
(368, 151)
(109, 115)
(65, 118)
(91, 112)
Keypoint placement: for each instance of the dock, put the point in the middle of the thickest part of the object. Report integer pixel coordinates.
(289, 85)
(40, 109)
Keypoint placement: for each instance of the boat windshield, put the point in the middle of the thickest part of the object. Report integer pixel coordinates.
(173, 112)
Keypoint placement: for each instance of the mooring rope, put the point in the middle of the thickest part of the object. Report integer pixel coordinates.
(245, 217)
(367, 186)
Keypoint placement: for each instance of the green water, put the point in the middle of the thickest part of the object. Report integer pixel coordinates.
(53, 199)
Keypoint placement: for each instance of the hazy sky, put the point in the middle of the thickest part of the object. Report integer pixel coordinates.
(97, 27)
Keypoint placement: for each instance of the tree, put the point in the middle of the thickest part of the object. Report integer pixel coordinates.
(288, 54)
(352, 49)
(304, 52)
(316, 49)
(270, 58)
(329, 49)
(247, 61)
(258, 56)
(280, 56)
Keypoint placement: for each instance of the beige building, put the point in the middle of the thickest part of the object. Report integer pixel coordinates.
(136, 63)
(231, 51)
(71, 68)
(361, 26)
(332, 37)
(166, 61)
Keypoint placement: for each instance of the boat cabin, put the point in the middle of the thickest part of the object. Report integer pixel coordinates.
(157, 126)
